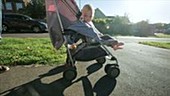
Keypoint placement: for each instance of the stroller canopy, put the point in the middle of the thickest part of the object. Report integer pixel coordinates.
(60, 15)
(67, 11)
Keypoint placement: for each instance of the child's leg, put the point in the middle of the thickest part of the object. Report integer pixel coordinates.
(106, 37)
(115, 44)
(119, 45)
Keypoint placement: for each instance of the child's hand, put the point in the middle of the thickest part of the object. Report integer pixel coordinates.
(72, 46)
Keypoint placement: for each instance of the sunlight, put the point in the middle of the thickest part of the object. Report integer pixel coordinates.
(142, 9)
(137, 10)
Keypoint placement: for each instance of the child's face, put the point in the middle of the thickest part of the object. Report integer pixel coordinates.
(87, 15)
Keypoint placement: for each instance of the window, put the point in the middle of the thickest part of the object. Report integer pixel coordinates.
(8, 5)
(19, 6)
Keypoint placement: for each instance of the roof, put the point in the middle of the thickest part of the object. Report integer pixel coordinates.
(99, 14)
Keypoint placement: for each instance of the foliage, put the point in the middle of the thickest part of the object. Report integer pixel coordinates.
(36, 9)
(158, 44)
(102, 25)
(21, 51)
(159, 26)
(119, 25)
(161, 35)
(143, 28)
(167, 28)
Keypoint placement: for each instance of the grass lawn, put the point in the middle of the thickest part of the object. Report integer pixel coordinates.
(158, 44)
(165, 45)
(25, 51)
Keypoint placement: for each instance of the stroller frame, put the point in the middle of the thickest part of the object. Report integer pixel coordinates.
(112, 70)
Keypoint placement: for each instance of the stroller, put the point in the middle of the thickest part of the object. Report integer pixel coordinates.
(65, 27)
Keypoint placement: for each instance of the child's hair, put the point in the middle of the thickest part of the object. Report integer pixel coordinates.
(87, 8)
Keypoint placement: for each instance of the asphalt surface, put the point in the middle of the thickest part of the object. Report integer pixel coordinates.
(144, 72)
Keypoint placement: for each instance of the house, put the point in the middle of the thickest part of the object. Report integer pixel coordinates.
(99, 14)
(12, 6)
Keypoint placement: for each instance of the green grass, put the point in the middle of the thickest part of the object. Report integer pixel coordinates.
(165, 45)
(161, 35)
(25, 51)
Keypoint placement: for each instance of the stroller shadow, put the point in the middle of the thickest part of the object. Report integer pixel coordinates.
(104, 83)
(93, 68)
(57, 87)
(103, 87)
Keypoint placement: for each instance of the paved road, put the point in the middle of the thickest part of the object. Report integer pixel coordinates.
(144, 72)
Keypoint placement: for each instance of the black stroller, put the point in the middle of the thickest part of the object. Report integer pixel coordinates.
(66, 28)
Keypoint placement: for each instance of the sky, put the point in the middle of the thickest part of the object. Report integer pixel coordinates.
(155, 11)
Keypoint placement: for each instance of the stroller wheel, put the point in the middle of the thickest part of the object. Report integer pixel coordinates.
(101, 60)
(112, 70)
(70, 74)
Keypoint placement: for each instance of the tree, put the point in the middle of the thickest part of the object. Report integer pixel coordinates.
(166, 27)
(27, 2)
(143, 28)
(103, 25)
(34, 8)
(120, 25)
(160, 27)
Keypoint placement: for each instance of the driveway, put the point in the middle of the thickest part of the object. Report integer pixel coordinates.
(144, 72)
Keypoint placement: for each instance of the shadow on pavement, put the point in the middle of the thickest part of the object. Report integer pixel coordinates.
(103, 87)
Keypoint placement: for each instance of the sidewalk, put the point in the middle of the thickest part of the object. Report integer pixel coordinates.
(48, 81)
